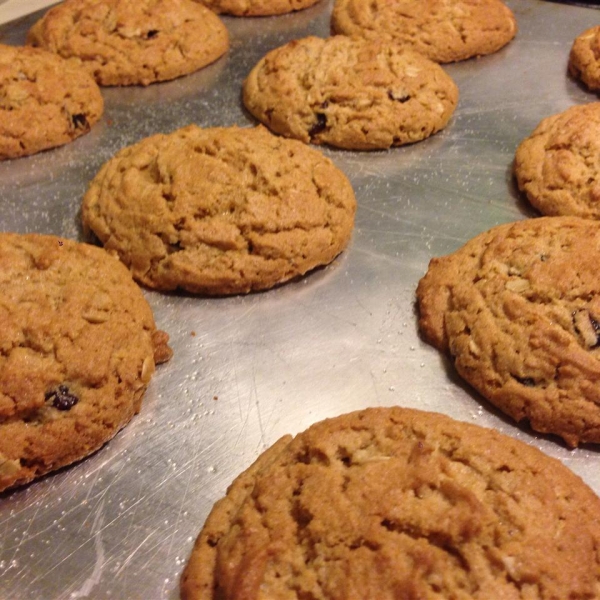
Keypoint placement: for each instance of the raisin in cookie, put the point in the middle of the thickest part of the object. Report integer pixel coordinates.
(221, 210)
(557, 165)
(257, 8)
(398, 503)
(133, 43)
(518, 309)
(78, 346)
(45, 101)
(443, 30)
(584, 58)
(354, 94)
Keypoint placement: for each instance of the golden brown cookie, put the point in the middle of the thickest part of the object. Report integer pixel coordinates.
(518, 309)
(443, 30)
(257, 8)
(354, 94)
(557, 165)
(221, 210)
(390, 503)
(121, 42)
(78, 347)
(45, 101)
(584, 58)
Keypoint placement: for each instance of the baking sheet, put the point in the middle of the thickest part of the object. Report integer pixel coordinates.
(249, 369)
(13, 9)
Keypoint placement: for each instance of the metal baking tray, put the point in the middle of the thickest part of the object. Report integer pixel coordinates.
(249, 369)
(11, 10)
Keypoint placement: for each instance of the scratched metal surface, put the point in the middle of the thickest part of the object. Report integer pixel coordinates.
(248, 369)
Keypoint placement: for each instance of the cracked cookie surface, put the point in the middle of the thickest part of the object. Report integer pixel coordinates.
(45, 101)
(220, 210)
(444, 31)
(399, 503)
(584, 58)
(558, 165)
(78, 347)
(133, 43)
(353, 94)
(257, 8)
(518, 309)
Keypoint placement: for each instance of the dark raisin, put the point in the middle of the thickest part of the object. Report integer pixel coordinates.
(175, 247)
(80, 121)
(390, 525)
(402, 98)
(319, 126)
(152, 34)
(526, 381)
(596, 327)
(301, 515)
(587, 327)
(62, 398)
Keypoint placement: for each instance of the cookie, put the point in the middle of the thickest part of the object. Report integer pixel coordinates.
(444, 31)
(220, 211)
(518, 310)
(45, 101)
(399, 503)
(133, 43)
(584, 58)
(257, 8)
(557, 167)
(353, 94)
(78, 347)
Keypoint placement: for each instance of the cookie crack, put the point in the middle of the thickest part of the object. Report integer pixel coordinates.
(436, 539)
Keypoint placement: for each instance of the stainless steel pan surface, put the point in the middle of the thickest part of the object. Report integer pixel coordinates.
(248, 369)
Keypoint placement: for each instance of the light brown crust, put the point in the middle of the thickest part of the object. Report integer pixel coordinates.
(77, 351)
(391, 503)
(353, 94)
(557, 164)
(441, 30)
(584, 58)
(198, 579)
(257, 8)
(133, 43)
(45, 101)
(518, 309)
(220, 211)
